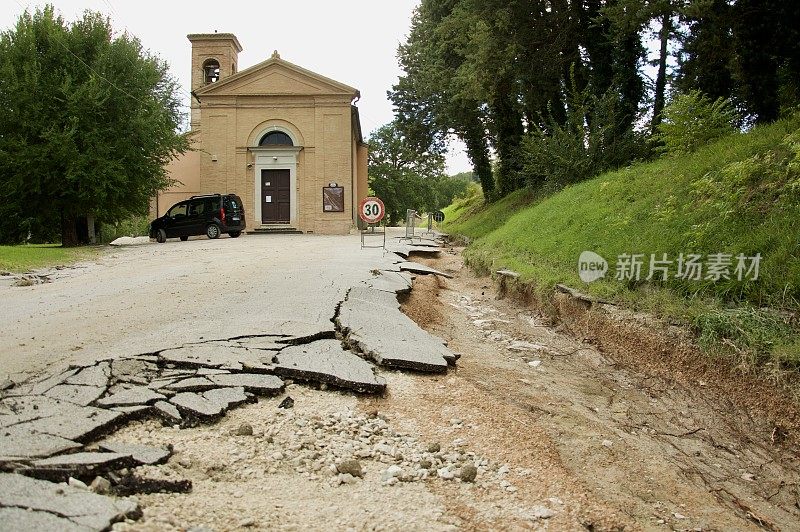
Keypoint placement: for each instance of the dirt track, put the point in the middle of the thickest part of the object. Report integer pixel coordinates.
(660, 453)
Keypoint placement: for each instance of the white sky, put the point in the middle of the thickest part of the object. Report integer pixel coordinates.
(352, 41)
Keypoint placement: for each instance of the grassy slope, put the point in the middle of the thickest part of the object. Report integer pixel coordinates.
(738, 195)
(33, 256)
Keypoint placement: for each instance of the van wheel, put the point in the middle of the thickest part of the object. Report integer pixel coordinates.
(234, 234)
(212, 231)
(184, 238)
(161, 236)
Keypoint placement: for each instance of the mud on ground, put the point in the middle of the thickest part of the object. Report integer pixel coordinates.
(649, 438)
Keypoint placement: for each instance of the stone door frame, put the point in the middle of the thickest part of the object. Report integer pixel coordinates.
(276, 158)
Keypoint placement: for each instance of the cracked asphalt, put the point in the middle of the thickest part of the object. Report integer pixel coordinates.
(152, 297)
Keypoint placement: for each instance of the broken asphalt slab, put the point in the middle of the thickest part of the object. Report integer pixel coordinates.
(96, 376)
(420, 241)
(192, 384)
(143, 454)
(229, 397)
(133, 370)
(389, 337)
(81, 426)
(379, 297)
(405, 250)
(197, 407)
(39, 386)
(137, 395)
(76, 393)
(22, 443)
(83, 466)
(388, 281)
(252, 382)
(218, 355)
(168, 412)
(414, 267)
(25, 519)
(57, 506)
(45, 415)
(212, 404)
(327, 362)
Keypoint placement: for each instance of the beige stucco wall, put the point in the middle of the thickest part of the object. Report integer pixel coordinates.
(362, 163)
(186, 170)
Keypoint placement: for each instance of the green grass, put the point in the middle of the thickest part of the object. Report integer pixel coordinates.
(471, 217)
(27, 257)
(738, 195)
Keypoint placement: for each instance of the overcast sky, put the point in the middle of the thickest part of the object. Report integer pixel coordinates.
(352, 41)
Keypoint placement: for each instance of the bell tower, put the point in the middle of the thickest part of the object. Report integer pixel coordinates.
(215, 56)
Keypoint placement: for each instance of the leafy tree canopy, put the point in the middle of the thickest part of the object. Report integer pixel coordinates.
(88, 119)
(528, 83)
(405, 178)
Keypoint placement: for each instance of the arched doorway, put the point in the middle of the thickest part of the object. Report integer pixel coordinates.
(275, 178)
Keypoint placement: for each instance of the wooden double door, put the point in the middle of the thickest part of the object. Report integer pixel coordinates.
(276, 200)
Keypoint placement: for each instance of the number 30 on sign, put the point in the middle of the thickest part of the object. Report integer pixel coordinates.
(371, 210)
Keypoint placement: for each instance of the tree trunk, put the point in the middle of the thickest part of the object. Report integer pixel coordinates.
(628, 81)
(508, 131)
(69, 230)
(753, 30)
(661, 78)
(475, 139)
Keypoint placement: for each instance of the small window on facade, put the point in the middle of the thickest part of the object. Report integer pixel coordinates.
(276, 138)
(211, 70)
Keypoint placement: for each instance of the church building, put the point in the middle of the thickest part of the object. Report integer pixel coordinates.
(286, 140)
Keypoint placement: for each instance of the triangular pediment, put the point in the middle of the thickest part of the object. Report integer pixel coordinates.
(276, 77)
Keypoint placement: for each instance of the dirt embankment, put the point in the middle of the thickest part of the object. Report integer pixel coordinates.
(636, 411)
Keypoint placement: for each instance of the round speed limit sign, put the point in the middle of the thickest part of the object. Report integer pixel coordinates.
(371, 210)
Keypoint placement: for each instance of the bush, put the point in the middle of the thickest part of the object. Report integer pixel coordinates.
(591, 141)
(133, 226)
(692, 120)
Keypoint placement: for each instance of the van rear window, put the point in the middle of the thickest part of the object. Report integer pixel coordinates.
(232, 203)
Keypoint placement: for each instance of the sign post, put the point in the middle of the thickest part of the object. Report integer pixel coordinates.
(371, 210)
(438, 217)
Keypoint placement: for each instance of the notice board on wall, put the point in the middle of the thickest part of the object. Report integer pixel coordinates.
(333, 199)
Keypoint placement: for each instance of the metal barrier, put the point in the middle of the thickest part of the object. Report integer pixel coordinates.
(411, 223)
(430, 230)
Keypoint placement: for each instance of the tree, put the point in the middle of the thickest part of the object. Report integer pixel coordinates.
(745, 50)
(403, 177)
(494, 72)
(659, 97)
(431, 101)
(87, 122)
